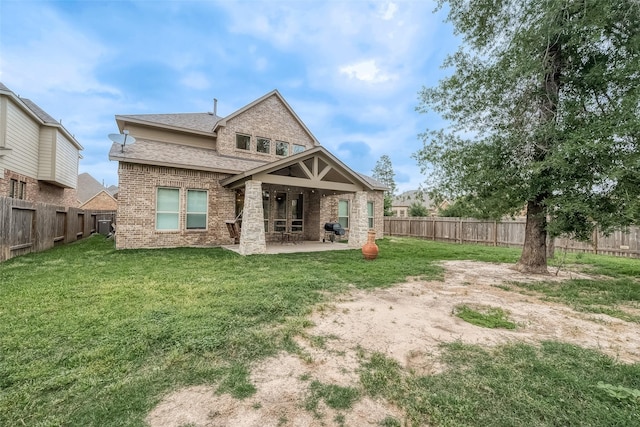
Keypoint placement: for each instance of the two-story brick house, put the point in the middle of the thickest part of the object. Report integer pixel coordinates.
(38, 156)
(186, 175)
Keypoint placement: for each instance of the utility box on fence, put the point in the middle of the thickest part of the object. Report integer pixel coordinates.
(104, 226)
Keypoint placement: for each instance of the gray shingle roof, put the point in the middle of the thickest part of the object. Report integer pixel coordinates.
(202, 122)
(113, 189)
(182, 156)
(43, 115)
(374, 182)
(88, 187)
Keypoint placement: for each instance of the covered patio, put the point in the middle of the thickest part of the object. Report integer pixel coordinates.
(284, 205)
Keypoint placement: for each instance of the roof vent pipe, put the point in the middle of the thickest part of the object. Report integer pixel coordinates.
(215, 107)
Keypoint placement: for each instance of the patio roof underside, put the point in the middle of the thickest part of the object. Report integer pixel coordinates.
(314, 170)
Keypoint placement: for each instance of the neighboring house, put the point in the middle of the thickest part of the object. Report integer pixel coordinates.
(113, 190)
(38, 156)
(95, 196)
(186, 175)
(402, 203)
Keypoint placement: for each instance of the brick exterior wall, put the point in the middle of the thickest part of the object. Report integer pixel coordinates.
(268, 119)
(136, 226)
(329, 210)
(101, 202)
(39, 191)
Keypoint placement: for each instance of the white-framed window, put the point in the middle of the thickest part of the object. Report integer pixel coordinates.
(243, 142)
(280, 220)
(168, 209)
(297, 213)
(282, 148)
(343, 213)
(370, 213)
(197, 203)
(266, 207)
(263, 145)
(297, 148)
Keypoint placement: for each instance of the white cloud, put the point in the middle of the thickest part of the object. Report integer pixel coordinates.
(366, 71)
(195, 80)
(52, 54)
(389, 12)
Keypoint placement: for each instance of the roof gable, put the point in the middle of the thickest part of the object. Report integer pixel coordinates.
(88, 187)
(102, 193)
(315, 168)
(278, 96)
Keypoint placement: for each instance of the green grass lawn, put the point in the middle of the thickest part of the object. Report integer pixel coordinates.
(90, 336)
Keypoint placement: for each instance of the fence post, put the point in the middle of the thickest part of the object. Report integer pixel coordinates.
(595, 239)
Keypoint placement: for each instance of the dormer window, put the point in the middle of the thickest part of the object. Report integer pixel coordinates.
(243, 142)
(263, 145)
(282, 148)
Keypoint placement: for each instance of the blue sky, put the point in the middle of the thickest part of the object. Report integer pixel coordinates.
(350, 69)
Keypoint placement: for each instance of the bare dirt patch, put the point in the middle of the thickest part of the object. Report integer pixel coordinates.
(406, 322)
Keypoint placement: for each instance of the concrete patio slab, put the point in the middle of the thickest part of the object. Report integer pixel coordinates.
(290, 248)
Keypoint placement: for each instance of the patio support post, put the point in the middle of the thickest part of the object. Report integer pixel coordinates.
(252, 239)
(359, 226)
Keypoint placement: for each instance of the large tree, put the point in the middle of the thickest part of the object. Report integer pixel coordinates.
(383, 172)
(544, 107)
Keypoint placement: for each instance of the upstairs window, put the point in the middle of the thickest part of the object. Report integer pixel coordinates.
(343, 213)
(297, 148)
(196, 209)
(263, 145)
(282, 148)
(243, 142)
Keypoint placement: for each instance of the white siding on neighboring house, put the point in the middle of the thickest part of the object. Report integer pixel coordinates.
(66, 162)
(46, 154)
(23, 139)
(3, 120)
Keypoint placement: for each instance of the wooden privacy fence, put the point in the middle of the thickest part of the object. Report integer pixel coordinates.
(506, 233)
(32, 227)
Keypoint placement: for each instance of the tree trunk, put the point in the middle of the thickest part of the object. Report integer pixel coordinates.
(534, 252)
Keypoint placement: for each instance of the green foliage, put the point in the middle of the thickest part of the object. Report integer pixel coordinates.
(383, 172)
(486, 317)
(390, 422)
(388, 204)
(418, 209)
(513, 384)
(620, 393)
(336, 397)
(543, 105)
(462, 208)
(614, 297)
